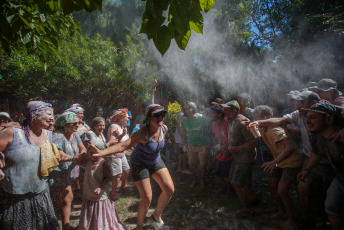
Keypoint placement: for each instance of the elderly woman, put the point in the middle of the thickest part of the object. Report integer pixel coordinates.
(95, 136)
(68, 140)
(119, 164)
(25, 201)
(78, 110)
(146, 162)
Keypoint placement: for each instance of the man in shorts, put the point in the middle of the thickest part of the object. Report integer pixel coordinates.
(324, 121)
(241, 146)
(285, 166)
(195, 137)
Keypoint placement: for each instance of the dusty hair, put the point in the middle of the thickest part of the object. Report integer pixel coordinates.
(263, 109)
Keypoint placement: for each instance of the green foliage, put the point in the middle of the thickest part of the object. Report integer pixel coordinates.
(85, 67)
(35, 25)
(173, 110)
(298, 21)
(164, 20)
(114, 22)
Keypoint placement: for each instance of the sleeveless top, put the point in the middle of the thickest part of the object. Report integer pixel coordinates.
(92, 180)
(22, 161)
(148, 154)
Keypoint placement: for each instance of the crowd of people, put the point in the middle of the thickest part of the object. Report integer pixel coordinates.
(305, 148)
(46, 158)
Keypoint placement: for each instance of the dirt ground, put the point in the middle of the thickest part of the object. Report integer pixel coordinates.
(192, 209)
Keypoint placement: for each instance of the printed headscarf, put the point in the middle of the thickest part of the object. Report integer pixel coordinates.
(65, 118)
(75, 108)
(327, 109)
(119, 114)
(33, 108)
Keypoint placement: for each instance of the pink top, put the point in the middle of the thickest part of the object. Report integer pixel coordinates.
(224, 138)
(110, 137)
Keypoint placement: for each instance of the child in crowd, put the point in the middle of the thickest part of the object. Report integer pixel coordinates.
(97, 210)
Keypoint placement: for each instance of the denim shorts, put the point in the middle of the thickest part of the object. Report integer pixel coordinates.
(334, 203)
(140, 172)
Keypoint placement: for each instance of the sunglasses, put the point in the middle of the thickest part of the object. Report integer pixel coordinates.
(76, 123)
(159, 114)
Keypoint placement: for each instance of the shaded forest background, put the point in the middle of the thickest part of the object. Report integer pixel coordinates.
(104, 54)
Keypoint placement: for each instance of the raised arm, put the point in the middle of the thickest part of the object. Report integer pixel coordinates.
(139, 136)
(274, 121)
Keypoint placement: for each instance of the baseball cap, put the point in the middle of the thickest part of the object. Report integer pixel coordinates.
(4, 114)
(154, 108)
(306, 95)
(233, 104)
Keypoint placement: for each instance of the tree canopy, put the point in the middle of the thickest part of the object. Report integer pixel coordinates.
(35, 24)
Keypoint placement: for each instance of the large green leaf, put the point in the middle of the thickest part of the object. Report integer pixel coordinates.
(182, 39)
(162, 40)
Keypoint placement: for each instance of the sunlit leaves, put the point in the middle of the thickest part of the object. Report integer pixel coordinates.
(36, 24)
(206, 4)
(176, 17)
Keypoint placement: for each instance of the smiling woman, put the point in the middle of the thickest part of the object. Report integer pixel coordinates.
(25, 201)
(63, 179)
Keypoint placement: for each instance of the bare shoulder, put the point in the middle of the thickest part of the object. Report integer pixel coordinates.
(140, 134)
(7, 132)
(6, 137)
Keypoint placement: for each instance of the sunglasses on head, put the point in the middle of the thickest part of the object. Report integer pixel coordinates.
(159, 114)
(77, 123)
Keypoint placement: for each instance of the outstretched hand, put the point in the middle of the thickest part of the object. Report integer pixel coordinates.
(268, 166)
(254, 123)
(302, 175)
(95, 152)
(97, 191)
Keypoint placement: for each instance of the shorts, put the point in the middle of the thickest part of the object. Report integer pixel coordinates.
(335, 198)
(178, 149)
(140, 172)
(286, 174)
(222, 168)
(320, 176)
(117, 165)
(199, 152)
(241, 174)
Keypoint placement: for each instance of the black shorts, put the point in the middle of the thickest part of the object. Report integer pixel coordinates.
(140, 172)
